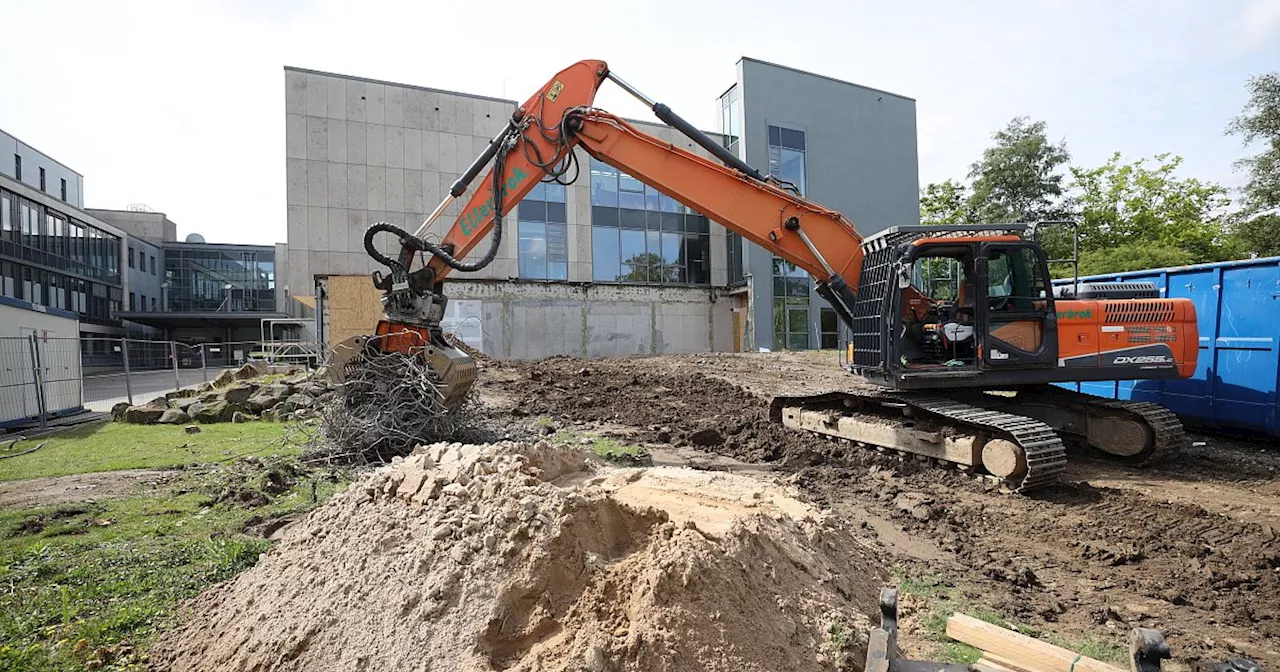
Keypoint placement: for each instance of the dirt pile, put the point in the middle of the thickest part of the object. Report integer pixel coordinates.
(511, 556)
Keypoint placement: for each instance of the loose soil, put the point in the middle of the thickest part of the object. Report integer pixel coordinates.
(1190, 547)
(76, 487)
(528, 557)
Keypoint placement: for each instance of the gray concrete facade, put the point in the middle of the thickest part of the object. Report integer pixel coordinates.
(860, 159)
(14, 151)
(155, 227)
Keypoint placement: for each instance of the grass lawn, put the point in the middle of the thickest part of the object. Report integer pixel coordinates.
(88, 585)
(116, 445)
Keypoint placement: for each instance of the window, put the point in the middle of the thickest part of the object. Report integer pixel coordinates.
(9, 280)
(1015, 279)
(17, 167)
(829, 329)
(731, 119)
(733, 255)
(786, 156)
(199, 277)
(153, 264)
(639, 234)
(130, 256)
(42, 179)
(790, 306)
(543, 233)
(64, 191)
(133, 301)
(153, 304)
(6, 217)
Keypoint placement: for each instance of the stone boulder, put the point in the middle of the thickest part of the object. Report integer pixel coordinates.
(216, 411)
(184, 403)
(181, 394)
(252, 370)
(267, 397)
(146, 414)
(174, 416)
(225, 378)
(268, 415)
(239, 393)
(313, 389)
(298, 400)
(239, 418)
(300, 378)
(117, 411)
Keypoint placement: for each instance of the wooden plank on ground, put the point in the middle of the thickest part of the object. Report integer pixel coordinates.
(1020, 650)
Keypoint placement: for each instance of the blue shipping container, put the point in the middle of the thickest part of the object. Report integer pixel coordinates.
(1238, 370)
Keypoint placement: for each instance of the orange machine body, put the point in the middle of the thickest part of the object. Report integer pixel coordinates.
(1143, 333)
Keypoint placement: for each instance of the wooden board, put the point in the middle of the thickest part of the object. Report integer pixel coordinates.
(1012, 648)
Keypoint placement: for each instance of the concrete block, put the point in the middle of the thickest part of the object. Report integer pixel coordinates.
(395, 147)
(414, 101)
(481, 119)
(413, 191)
(357, 223)
(413, 149)
(295, 136)
(317, 95)
(295, 92)
(431, 194)
(430, 151)
(375, 103)
(337, 197)
(319, 263)
(317, 229)
(395, 190)
(300, 279)
(295, 171)
(579, 271)
(579, 243)
(449, 155)
(296, 226)
(357, 147)
(357, 187)
(355, 100)
(376, 178)
(317, 138)
(337, 140)
(317, 184)
(375, 145)
(430, 111)
(339, 263)
(337, 225)
(395, 106)
(464, 111)
(336, 99)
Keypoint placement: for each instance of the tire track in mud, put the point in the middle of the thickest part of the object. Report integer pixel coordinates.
(1074, 555)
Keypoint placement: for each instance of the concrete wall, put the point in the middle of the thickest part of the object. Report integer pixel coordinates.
(32, 161)
(141, 281)
(154, 226)
(525, 320)
(860, 159)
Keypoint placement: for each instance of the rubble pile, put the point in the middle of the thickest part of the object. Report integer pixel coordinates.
(255, 391)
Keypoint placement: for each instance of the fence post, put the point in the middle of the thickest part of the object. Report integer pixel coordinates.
(128, 385)
(173, 355)
(37, 378)
(204, 364)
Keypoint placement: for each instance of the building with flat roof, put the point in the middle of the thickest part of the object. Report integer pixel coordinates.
(604, 266)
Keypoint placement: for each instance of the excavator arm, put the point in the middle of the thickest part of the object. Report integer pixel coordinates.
(537, 145)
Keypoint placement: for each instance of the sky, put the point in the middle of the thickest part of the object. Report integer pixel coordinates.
(180, 105)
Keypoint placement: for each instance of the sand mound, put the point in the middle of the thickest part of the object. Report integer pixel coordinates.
(516, 557)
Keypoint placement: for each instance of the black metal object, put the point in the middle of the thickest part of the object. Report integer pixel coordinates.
(1107, 290)
(1146, 649)
(717, 150)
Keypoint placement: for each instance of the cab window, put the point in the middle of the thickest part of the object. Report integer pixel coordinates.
(1015, 279)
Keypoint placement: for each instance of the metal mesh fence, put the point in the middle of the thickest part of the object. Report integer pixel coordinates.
(45, 377)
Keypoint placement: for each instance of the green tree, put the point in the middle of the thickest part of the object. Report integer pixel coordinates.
(1128, 257)
(1148, 212)
(944, 203)
(649, 267)
(1019, 177)
(1257, 236)
(1260, 123)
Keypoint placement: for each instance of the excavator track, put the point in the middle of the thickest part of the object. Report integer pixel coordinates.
(1042, 448)
(1161, 431)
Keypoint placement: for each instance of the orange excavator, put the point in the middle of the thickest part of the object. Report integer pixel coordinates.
(960, 372)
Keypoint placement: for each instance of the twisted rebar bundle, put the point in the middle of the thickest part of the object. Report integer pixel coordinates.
(388, 404)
